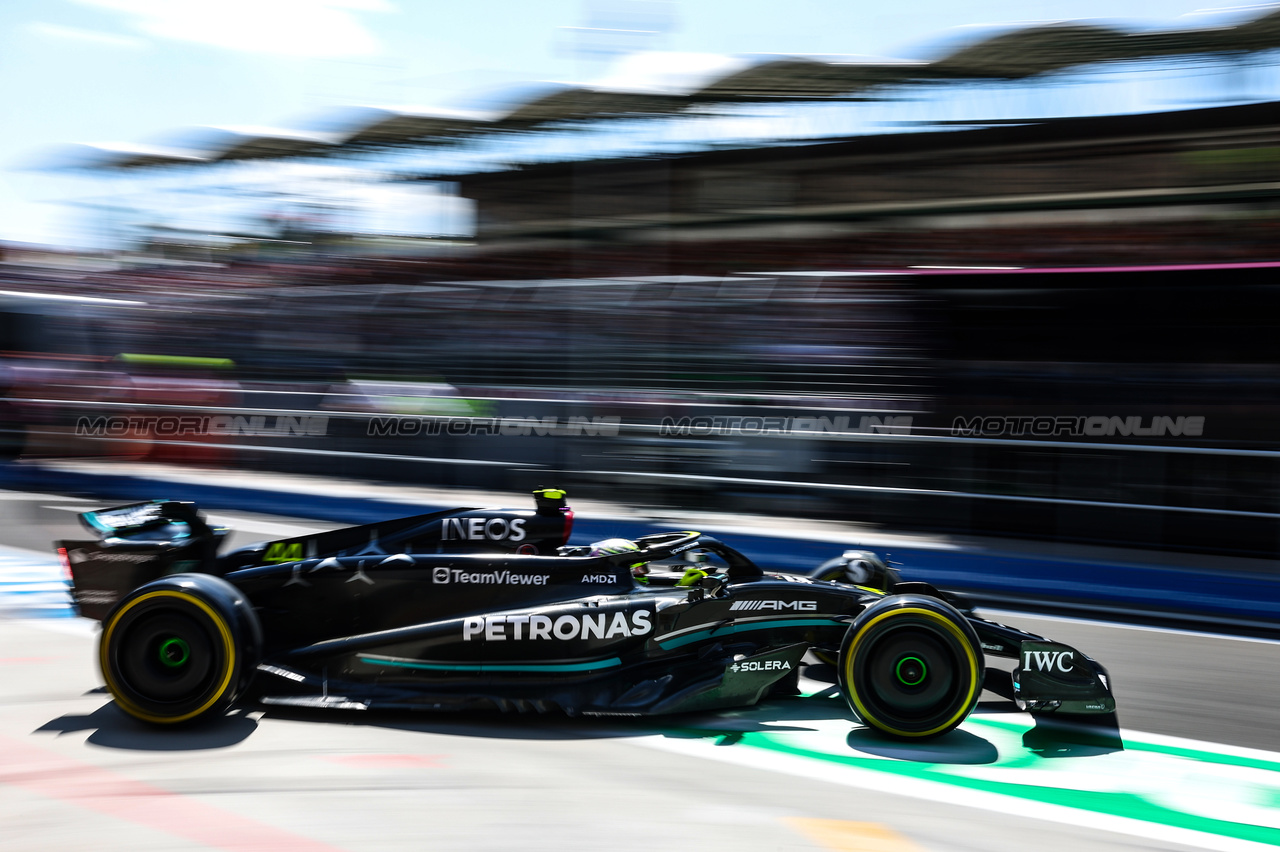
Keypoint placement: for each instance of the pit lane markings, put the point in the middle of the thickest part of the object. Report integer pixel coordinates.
(117, 796)
(1160, 788)
(844, 836)
(32, 585)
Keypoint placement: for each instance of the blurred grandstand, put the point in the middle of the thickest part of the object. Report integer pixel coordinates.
(870, 290)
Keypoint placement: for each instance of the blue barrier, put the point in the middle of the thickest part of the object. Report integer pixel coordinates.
(1210, 596)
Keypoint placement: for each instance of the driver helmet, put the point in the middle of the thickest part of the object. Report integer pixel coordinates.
(619, 545)
(613, 545)
(859, 571)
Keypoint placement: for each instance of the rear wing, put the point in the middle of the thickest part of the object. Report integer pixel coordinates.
(142, 542)
(135, 544)
(137, 518)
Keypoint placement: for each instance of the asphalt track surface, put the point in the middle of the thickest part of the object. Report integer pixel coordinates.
(1191, 766)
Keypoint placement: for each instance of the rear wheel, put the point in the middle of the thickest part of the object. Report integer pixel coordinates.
(178, 649)
(910, 666)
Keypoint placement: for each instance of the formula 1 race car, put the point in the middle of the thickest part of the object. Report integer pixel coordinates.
(488, 609)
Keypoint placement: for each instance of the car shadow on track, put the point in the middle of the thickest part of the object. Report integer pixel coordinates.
(1074, 736)
(820, 710)
(113, 728)
(956, 748)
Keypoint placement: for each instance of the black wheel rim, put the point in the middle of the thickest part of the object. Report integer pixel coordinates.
(167, 657)
(912, 675)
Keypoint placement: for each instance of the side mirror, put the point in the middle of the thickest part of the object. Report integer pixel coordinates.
(714, 584)
(708, 586)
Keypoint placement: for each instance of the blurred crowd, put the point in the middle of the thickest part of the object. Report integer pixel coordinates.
(1116, 241)
(741, 320)
(683, 328)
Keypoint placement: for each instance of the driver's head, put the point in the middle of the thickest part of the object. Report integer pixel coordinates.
(618, 545)
(613, 545)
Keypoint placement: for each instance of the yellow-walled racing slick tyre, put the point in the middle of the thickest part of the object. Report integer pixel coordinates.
(179, 649)
(911, 666)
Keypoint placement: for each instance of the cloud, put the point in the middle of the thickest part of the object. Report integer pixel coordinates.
(318, 28)
(669, 71)
(88, 36)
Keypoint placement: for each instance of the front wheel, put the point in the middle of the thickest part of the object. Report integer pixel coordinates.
(910, 667)
(179, 649)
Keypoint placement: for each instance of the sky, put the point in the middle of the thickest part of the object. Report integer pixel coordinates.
(146, 71)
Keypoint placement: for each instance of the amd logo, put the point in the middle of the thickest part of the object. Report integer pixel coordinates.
(597, 578)
(1048, 661)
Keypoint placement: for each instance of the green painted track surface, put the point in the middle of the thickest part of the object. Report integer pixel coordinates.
(1156, 787)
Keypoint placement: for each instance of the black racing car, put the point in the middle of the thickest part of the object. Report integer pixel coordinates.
(487, 608)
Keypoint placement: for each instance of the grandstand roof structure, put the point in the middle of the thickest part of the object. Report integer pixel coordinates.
(1017, 54)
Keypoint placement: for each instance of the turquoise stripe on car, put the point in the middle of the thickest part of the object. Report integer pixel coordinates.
(492, 667)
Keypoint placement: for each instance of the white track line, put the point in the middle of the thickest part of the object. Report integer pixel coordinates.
(1120, 625)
